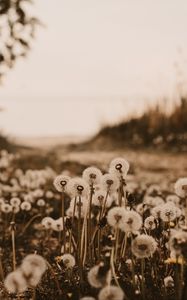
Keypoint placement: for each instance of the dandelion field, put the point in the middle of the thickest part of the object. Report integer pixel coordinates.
(112, 232)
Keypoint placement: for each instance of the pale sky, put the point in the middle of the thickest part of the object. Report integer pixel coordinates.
(94, 62)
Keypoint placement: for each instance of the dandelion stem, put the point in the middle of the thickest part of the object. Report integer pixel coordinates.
(12, 224)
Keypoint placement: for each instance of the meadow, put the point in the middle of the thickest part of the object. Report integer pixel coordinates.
(93, 225)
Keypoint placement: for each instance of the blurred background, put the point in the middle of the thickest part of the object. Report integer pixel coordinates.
(107, 73)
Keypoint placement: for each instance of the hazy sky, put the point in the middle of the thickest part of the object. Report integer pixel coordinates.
(95, 61)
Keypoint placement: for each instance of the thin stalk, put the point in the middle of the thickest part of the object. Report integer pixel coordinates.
(12, 224)
(143, 279)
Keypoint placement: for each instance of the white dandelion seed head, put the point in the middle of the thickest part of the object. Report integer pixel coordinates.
(168, 212)
(143, 246)
(47, 222)
(99, 199)
(109, 182)
(115, 216)
(49, 194)
(181, 187)
(57, 225)
(6, 208)
(77, 187)
(92, 175)
(25, 205)
(119, 167)
(168, 282)
(15, 282)
(35, 261)
(40, 202)
(178, 242)
(156, 211)
(111, 292)
(97, 279)
(60, 182)
(68, 260)
(15, 201)
(149, 223)
(31, 273)
(131, 221)
(173, 199)
(140, 208)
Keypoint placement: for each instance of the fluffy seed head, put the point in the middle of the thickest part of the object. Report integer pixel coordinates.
(92, 175)
(60, 182)
(68, 261)
(110, 182)
(15, 282)
(131, 221)
(119, 166)
(111, 292)
(181, 187)
(116, 216)
(77, 187)
(143, 246)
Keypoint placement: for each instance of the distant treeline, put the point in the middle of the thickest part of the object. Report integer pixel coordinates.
(155, 127)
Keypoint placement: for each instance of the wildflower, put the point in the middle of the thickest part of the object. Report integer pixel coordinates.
(36, 261)
(68, 260)
(168, 282)
(25, 205)
(31, 273)
(143, 246)
(15, 282)
(181, 187)
(47, 222)
(149, 223)
(109, 182)
(98, 275)
(178, 243)
(119, 167)
(6, 208)
(131, 221)
(111, 292)
(60, 182)
(156, 211)
(115, 216)
(77, 187)
(15, 209)
(41, 202)
(99, 199)
(92, 175)
(49, 194)
(57, 225)
(173, 198)
(15, 201)
(168, 212)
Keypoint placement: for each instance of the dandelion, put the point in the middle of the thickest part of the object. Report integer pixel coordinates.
(109, 182)
(60, 182)
(111, 292)
(119, 166)
(92, 175)
(47, 222)
(99, 199)
(77, 187)
(168, 212)
(143, 246)
(116, 216)
(6, 208)
(41, 202)
(35, 261)
(57, 225)
(173, 199)
(181, 187)
(98, 275)
(31, 273)
(168, 282)
(178, 243)
(156, 211)
(15, 202)
(15, 282)
(149, 223)
(25, 205)
(68, 260)
(131, 221)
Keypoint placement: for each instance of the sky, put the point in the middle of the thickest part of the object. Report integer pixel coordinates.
(94, 62)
